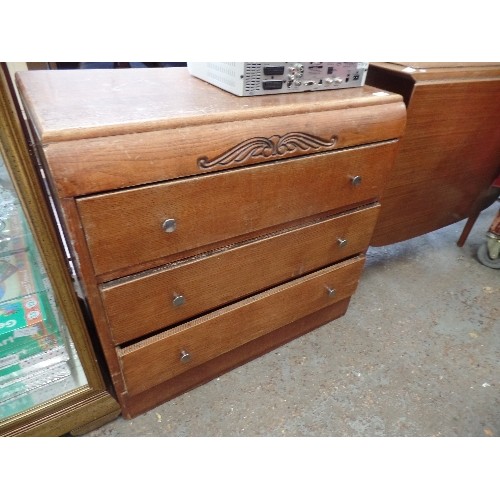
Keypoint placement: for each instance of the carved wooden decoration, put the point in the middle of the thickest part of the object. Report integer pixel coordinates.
(275, 146)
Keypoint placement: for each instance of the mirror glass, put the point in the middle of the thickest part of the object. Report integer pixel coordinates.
(38, 361)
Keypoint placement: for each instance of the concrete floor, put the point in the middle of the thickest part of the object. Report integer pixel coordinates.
(417, 354)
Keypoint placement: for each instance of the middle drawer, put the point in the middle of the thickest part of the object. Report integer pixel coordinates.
(188, 288)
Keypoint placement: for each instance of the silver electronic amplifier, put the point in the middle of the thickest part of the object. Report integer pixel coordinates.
(261, 78)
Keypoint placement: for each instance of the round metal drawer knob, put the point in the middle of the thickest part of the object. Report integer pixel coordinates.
(331, 291)
(178, 300)
(169, 225)
(342, 242)
(356, 180)
(185, 357)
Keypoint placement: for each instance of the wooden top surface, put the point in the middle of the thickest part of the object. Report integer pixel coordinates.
(77, 104)
(442, 65)
(442, 70)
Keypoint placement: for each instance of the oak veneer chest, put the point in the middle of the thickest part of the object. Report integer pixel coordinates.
(208, 229)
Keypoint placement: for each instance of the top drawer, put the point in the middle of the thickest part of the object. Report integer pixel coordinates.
(131, 227)
(103, 130)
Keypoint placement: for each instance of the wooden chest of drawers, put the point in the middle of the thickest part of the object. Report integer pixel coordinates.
(207, 228)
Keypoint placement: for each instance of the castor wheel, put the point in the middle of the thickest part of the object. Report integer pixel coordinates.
(484, 257)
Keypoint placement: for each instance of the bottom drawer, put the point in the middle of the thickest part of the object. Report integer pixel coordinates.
(159, 358)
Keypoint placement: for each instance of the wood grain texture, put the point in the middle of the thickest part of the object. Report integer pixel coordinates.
(96, 165)
(157, 359)
(450, 152)
(442, 71)
(68, 105)
(204, 283)
(210, 209)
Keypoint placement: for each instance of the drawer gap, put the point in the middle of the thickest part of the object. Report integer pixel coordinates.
(208, 250)
(236, 244)
(195, 317)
